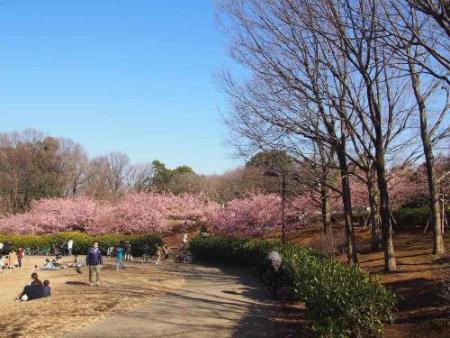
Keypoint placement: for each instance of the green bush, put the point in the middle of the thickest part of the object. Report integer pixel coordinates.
(82, 241)
(410, 218)
(340, 300)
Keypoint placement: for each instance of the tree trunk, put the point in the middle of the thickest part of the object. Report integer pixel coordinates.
(325, 208)
(438, 242)
(347, 202)
(326, 216)
(390, 264)
(375, 228)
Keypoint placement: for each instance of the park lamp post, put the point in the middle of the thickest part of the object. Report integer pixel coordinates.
(282, 175)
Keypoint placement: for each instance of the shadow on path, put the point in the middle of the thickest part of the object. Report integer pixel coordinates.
(212, 303)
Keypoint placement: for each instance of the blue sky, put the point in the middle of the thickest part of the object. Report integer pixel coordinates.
(131, 76)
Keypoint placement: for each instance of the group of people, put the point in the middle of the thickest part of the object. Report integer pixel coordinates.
(161, 250)
(123, 253)
(94, 262)
(55, 264)
(36, 289)
(11, 259)
(65, 249)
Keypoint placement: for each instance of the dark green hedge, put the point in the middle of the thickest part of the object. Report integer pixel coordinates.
(410, 218)
(341, 301)
(82, 241)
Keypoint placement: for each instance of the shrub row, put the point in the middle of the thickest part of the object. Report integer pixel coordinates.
(340, 300)
(82, 241)
(407, 218)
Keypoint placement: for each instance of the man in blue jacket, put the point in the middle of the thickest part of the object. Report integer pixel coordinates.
(94, 261)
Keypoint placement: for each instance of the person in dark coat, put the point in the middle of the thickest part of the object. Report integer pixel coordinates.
(272, 268)
(33, 291)
(94, 261)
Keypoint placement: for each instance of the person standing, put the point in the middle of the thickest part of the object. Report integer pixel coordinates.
(70, 246)
(120, 252)
(20, 255)
(145, 253)
(12, 260)
(185, 241)
(94, 261)
(158, 254)
(128, 256)
(166, 251)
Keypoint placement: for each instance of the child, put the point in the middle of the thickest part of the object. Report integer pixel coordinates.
(20, 255)
(47, 290)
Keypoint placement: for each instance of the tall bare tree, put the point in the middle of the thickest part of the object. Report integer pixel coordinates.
(408, 26)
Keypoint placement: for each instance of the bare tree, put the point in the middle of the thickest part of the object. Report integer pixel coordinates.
(292, 92)
(319, 72)
(424, 24)
(75, 165)
(139, 177)
(117, 170)
(409, 25)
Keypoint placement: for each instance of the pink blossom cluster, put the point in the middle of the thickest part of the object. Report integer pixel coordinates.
(134, 213)
(250, 216)
(260, 214)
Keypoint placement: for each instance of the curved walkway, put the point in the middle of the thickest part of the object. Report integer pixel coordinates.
(212, 303)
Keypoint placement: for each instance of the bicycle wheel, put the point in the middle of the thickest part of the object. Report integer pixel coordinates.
(265, 277)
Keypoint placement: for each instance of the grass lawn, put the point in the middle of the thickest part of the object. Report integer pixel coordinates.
(74, 303)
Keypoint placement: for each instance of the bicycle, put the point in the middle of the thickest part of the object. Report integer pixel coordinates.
(186, 258)
(270, 278)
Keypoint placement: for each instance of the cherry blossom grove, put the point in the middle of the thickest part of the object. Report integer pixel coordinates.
(252, 215)
(134, 213)
(260, 214)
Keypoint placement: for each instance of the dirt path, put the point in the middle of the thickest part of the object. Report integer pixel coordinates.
(211, 303)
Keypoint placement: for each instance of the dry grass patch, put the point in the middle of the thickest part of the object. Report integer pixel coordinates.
(74, 303)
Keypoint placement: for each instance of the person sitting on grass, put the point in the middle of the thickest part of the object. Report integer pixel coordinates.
(77, 265)
(35, 279)
(33, 291)
(48, 265)
(47, 291)
(56, 262)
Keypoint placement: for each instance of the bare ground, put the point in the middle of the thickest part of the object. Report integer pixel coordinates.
(421, 311)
